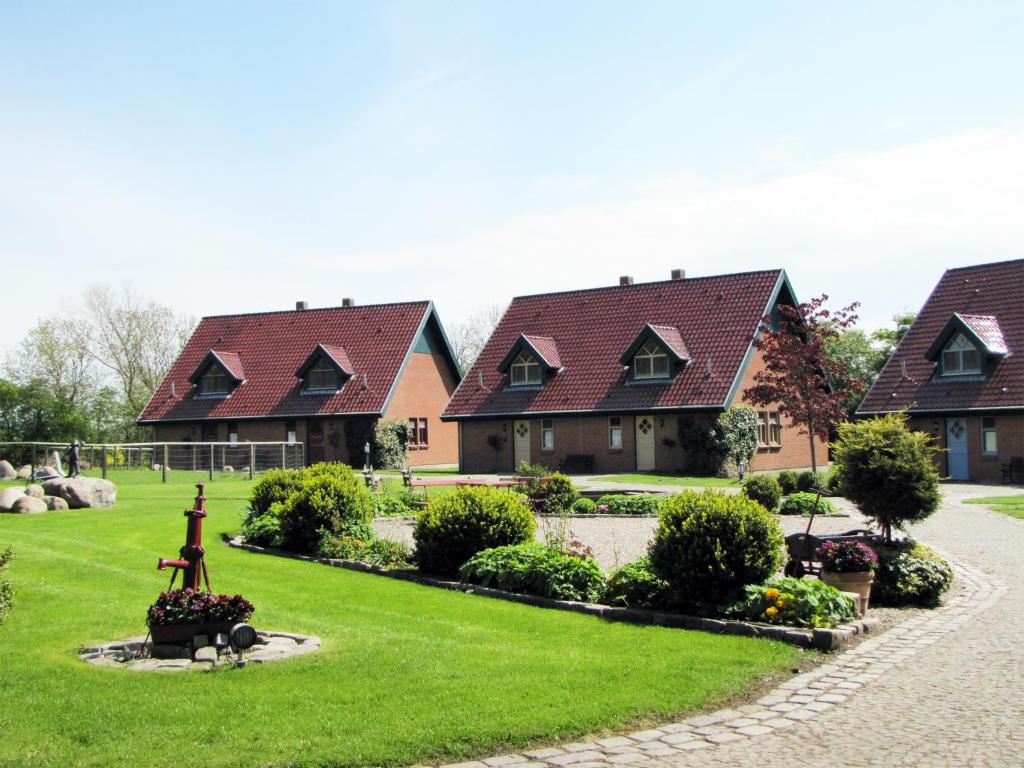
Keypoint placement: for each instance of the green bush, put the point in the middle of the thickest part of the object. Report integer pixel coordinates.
(764, 489)
(888, 471)
(803, 503)
(558, 495)
(910, 574)
(385, 505)
(456, 526)
(788, 479)
(274, 486)
(709, 545)
(265, 530)
(6, 590)
(584, 506)
(628, 504)
(834, 483)
(536, 570)
(381, 552)
(389, 445)
(335, 502)
(794, 602)
(634, 585)
(808, 482)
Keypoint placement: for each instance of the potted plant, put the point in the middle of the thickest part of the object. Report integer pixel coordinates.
(849, 566)
(181, 614)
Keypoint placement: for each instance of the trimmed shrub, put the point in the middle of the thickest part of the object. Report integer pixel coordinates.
(385, 505)
(803, 503)
(794, 602)
(274, 486)
(333, 502)
(834, 483)
(536, 570)
(710, 545)
(808, 481)
(910, 574)
(456, 526)
(381, 552)
(634, 585)
(557, 495)
(764, 489)
(6, 590)
(628, 504)
(584, 506)
(389, 445)
(887, 471)
(788, 479)
(265, 530)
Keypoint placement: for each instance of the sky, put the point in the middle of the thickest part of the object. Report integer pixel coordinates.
(235, 157)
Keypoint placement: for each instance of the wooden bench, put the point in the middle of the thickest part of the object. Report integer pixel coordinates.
(577, 464)
(1013, 472)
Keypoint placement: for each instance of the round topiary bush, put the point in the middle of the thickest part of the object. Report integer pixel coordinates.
(558, 495)
(634, 585)
(274, 486)
(710, 545)
(808, 482)
(788, 479)
(803, 503)
(334, 502)
(456, 526)
(910, 574)
(764, 489)
(584, 506)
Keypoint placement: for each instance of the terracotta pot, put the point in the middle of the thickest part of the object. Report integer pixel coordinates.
(180, 633)
(858, 582)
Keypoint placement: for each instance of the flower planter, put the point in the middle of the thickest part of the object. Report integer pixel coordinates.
(858, 582)
(181, 633)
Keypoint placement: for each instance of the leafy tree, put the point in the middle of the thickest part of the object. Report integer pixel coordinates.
(738, 428)
(390, 444)
(469, 336)
(888, 338)
(810, 389)
(855, 350)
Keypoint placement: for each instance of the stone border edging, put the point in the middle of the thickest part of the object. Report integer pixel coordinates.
(831, 639)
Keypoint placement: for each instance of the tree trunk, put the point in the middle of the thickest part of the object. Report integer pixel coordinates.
(810, 436)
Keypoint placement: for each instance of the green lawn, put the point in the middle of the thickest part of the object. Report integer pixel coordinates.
(406, 674)
(656, 479)
(1008, 505)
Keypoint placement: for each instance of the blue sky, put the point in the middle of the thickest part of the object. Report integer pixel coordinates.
(235, 157)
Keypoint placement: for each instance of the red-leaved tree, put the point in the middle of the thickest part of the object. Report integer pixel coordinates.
(811, 391)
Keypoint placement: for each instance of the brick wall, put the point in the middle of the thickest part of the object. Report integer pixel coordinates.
(980, 468)
(423, 391)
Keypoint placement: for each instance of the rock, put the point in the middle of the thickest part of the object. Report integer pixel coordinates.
(83, 492)
(166, 651)
(8, 496)
(45, 473)
(28, 504)
(228, 468)
(55, 502)
(25, 472)
(200, 641)
(208, 653)
(6, 470)
(35, 490)
(155, 467)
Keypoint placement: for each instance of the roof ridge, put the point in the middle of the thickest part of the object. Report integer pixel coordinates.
(986, 265)
(685, 280)
(425, 302)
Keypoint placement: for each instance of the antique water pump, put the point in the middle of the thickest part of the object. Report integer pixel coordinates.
(192, 556)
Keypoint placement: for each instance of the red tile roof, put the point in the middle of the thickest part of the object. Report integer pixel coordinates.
(232, 364)
(373, 340)
(592, 328)
(674, 339)
(977, 294)
(547, 348)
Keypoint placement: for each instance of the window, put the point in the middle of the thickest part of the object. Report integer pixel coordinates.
(960, 357)
(547, 434)
(615, 433)
(321, 376)
(775, 428)
(214, 381)
(418, 437)
(423, 434)
(524, 370)
(650, 362)
(289, 429)
(232, 432)
(762, 427)
(989, 445)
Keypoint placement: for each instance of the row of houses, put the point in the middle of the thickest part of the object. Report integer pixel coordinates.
(608, 378)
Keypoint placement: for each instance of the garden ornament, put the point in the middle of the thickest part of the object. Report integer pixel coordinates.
(72, 457)
(192, 556)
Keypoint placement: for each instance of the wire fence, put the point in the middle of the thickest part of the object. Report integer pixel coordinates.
(29, 458)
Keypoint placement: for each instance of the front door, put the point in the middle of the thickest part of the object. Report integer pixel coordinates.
(521, 442)
(956, 447)
(314, 442)
(644, 443)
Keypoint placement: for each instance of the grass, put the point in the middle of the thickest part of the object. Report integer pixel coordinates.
(1008, 505)
(406, 674)
(658, 479)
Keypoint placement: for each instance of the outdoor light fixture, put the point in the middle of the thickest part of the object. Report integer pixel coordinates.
(242, 638)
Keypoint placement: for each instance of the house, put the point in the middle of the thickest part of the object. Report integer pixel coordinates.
(959, 371)
(618, 378)
(321, 377)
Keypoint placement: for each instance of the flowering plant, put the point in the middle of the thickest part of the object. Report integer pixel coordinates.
(794, 602)
(186, 606)
(846, 557)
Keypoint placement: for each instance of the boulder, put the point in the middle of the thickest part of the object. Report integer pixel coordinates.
(228, 468)
(83, 492)
(55, 502)
(25, 472)
(8, 496)
(28, 504)
(45, 473)
(34, 490)
(6, 470)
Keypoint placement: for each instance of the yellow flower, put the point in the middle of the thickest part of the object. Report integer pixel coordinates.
(780, 603)
(771, 594)
(771, 612)
(359, 543)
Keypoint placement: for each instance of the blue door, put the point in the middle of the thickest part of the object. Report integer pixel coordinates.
(956, 447)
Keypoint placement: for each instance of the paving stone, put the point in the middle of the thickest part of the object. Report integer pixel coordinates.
(679, 738)
(574, 758)
(779, 723)
(724, 738)
(649, 735)
(628, 758)
(543, 754)
(675, 728)
(739, 723)
(502, 760)
(754, 730)
(616, 741)
(708, 730)
(471, 764)
(579, 746)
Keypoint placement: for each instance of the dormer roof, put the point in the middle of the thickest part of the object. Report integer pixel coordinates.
(667, 336)
(231, 362)
(333, 354)
(543, 349)
(982, 331)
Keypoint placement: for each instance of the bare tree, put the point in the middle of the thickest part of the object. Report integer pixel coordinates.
(55, 352)
(469, 336)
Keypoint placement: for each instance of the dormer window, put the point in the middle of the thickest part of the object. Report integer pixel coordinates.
(214, 382)
(650, 362)
(960, 357)
(325, 371)
(217, 374)
(321, 376)
(525, 370)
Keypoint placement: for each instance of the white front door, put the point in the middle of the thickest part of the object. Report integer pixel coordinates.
(521, 442)
(644, 443)
(956, 446)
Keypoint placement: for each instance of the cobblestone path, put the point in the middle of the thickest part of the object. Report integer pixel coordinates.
(941, 689)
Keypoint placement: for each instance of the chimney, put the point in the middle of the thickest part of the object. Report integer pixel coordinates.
(301, 305)
(348, 302)
(678, 274)
(626, 280)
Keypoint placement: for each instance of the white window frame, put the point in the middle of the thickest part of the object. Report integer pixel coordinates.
(954, 354)
(986, 430)
(648, 360)
(774, 428)
(762, 429)
(615, 433)
(547, 435)
(524, 371)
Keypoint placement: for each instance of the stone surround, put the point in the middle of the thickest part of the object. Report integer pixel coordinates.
(137, 653)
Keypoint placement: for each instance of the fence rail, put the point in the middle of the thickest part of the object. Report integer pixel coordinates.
(250, 458)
